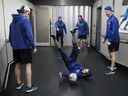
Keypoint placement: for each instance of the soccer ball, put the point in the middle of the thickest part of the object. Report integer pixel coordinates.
(85, 71)
(73, 77)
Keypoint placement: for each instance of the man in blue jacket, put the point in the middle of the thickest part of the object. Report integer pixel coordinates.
(22, 42)
(83, 31)
(73, 67)
(60, 29)
(112, 37)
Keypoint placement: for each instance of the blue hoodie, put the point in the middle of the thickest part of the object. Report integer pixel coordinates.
(21, 36)
(112, 31)
(61, 26)
(71, 63)
(82, 28)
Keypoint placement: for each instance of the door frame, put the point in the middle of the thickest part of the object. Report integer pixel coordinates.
(98, 30)
(49, 39)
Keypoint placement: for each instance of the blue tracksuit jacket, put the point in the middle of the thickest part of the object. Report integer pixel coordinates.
(82, 28)
(61, 26)
(71, 63)
(21, 36)
(112, 31)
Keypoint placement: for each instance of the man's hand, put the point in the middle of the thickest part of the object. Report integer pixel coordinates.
(57, 29)
(103, 41)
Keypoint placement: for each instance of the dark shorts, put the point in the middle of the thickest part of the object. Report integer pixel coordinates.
(23, 56)
(113, 47)
(82, 37)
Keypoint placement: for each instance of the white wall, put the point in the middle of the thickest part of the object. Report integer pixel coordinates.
(123, 52)
(2, 35)
(3, 57)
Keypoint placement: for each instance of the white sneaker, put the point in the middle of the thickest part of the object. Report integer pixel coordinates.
(110, 73)
(60, 75)
(31, 89)
(79, 48)
(19, 86)
(112, 68)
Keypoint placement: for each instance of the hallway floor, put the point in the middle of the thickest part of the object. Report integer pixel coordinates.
(47, 63)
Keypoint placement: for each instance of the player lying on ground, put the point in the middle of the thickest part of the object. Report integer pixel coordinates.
(76, 71)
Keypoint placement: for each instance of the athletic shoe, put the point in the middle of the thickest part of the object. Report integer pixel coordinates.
(19, 86)
(79, 48)
(110, 73)
(112, 69)
(30, 89)
(60, 75)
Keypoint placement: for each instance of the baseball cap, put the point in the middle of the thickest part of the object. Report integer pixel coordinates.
(23, 9)
(109, 8)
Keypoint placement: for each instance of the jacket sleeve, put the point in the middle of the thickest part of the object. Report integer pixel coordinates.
(65, 29)
(113, 26)
(115, 29)
(86, 27)
(28, 33)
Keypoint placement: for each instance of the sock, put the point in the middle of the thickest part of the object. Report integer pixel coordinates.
(19, 82)
(112, 67)
(29, 85)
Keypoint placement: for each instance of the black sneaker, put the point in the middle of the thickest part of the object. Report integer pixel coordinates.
(19, 86)
(30, 89)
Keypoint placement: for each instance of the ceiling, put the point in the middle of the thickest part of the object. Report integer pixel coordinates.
(62, 2)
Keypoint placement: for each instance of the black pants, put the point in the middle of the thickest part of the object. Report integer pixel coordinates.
(23, 56)
(114, 46)
(60, 36)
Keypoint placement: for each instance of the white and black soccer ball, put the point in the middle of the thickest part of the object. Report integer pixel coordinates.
(86, 71)
(73, 77)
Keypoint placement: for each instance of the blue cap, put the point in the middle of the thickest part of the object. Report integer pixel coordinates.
(108, 8)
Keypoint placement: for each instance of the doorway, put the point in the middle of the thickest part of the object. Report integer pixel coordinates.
(47, 16)
(69, 15)
(43, 25)
(98, 28)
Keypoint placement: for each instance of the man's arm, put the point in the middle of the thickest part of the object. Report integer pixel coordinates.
(87, 28)
(115, 29)
(56, 26)
(28, 33)
(65, 29)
